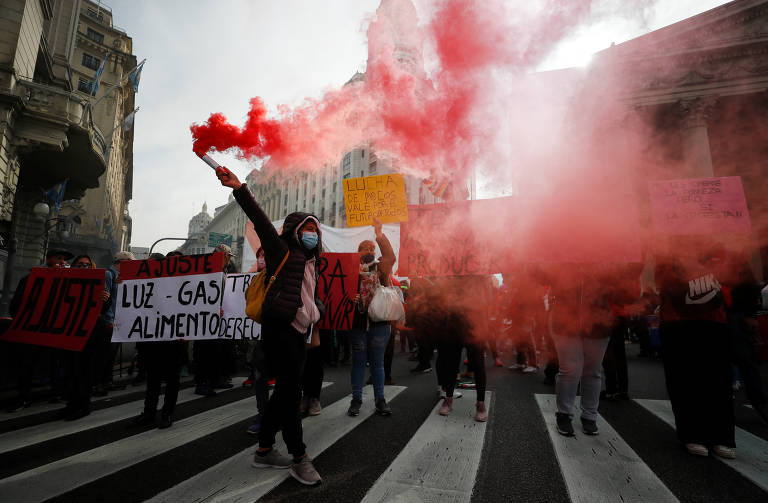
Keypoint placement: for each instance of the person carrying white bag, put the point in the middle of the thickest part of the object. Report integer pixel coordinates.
(376, 306)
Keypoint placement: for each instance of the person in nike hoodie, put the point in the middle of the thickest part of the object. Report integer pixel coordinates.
(695, 346)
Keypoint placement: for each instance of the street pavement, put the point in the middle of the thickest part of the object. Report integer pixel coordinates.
(413, 456)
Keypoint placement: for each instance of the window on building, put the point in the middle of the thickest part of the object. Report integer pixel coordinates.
(304, 203)
(313, 199)
(362, 153)
(285, 202)
(95, 15)
(322, 214)
(347, 162)
(346, 175)
(362, 172)
(334, 187)
(84, 85)
(90, 62)
(95, 36)
(323, 194)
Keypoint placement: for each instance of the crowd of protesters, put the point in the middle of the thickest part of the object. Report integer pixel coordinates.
(570, 323)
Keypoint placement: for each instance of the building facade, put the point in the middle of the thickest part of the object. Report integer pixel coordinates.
(51, 133)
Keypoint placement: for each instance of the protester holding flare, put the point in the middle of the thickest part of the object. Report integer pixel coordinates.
(369, 338)
(289, 312)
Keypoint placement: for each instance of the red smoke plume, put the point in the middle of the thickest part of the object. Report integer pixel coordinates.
(439, 123)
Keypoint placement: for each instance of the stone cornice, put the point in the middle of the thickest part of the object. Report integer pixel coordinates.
(697, 30)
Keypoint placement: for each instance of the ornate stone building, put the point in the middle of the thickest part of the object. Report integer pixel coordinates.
(51, 132)
(700, 86)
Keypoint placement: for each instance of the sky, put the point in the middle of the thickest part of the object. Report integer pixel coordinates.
(206, 56)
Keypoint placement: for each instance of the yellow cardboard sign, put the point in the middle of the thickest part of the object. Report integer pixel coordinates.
(380, 196)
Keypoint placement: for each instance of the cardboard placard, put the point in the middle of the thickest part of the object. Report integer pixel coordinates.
(380, 196)
(168, 299)
(699, 206)
(59, 308)
(337, 287)
(235, 324)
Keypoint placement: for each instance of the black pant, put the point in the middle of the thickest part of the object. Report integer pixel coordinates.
(285, 353)
(104, 352)
(745, 358)
(163, 362)
(699, 381)
(455, 334)
(426, 346)
(615, 360)
(82, 369)
(208, 357)
(312, 377)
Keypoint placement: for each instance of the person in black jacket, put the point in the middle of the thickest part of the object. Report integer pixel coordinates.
(289, 311)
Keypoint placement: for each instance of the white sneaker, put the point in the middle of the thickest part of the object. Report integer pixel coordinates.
(724, 452)
(516, 366)
(530, 370)
(697, 449)
(441, 392)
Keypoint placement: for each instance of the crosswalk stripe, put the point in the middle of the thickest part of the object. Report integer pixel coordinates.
(439, 463)
(602, 467)
(56, 478)
(38, 408)
(47, 431)
(234, 480)
(751, 451)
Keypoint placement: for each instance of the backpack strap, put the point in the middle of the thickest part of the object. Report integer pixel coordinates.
(277, 271)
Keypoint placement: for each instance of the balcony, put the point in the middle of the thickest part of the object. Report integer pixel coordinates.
(54, 138)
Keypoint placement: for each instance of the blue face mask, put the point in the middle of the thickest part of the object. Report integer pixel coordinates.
(309, 240)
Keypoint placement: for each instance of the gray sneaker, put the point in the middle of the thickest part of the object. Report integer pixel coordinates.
(273, 459)
(304, 472)
(314, 407)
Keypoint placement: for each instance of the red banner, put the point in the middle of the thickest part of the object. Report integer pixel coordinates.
(489, 236)
(59, 308)
(184, 265)
(337, 287)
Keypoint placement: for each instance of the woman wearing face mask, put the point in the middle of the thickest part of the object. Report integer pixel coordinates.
(369, 339)
(289, 312)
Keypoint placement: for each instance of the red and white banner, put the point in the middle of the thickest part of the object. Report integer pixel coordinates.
(168, 299)
(59, 308)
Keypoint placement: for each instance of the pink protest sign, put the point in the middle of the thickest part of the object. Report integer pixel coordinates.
(699, 206)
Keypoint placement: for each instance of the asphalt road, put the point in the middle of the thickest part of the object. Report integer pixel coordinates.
(414, 455)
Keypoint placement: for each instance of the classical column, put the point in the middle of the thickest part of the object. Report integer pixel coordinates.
(695, 113)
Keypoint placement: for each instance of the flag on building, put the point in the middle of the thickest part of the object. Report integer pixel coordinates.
(56, 194)
(135, 77)
(127, 122)
(97, 78)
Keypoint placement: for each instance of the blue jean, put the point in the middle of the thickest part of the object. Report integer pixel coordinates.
(369, 345)
(580, 359)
